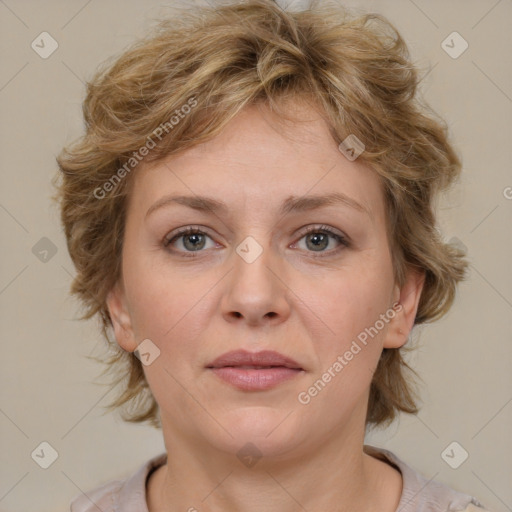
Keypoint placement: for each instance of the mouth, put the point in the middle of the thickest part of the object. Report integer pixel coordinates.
(255, 371)
(254, 360)
(254, 367)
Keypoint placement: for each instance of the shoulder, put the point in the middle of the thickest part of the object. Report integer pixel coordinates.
(119, 495)
(103, 498)
(422, 495)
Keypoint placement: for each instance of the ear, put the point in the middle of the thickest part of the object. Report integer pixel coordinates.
(121, 320)
(407, 300)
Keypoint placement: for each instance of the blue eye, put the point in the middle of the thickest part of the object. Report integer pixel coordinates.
(193, 240)
(319, 237)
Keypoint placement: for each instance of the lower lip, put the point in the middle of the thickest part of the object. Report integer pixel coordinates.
(255, 380)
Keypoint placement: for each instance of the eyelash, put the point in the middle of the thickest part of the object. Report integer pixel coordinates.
(315, 229)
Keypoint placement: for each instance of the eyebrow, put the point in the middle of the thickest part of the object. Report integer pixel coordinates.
(291, 204)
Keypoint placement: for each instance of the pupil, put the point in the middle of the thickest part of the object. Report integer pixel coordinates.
(319, 237)
(193, 246)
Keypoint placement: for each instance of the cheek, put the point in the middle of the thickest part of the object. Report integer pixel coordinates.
(170, 310)
(351, 342)
(167, 305)
(352, 302)
(347, 352)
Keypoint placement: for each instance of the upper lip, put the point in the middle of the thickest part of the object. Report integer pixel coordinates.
(245, 358)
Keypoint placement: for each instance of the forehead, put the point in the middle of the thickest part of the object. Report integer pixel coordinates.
(257, 159)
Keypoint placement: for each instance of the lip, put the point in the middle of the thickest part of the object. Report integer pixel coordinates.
(255, 371)
(245, 358)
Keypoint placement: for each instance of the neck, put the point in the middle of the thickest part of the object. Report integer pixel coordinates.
(334, 475)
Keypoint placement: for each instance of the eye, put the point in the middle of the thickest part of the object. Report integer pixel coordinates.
(317, 238)
(191, 238)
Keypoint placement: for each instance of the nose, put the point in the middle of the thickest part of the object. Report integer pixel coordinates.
(256, 291)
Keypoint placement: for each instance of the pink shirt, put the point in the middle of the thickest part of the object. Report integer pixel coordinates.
(418, 493)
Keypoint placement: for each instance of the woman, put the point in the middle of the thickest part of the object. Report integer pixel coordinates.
(250, 213)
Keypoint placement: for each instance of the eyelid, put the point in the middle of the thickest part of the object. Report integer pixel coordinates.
(322, 227)
(183, 231)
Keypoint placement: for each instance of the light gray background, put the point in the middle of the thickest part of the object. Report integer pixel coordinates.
(47, 389)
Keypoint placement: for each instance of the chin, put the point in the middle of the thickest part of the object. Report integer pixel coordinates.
(271, 431)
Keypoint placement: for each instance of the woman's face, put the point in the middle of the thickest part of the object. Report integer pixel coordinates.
(250, 278)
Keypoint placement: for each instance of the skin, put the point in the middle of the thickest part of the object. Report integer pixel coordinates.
(304, 301)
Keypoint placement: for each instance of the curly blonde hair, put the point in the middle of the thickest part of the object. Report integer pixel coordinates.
(355, 69)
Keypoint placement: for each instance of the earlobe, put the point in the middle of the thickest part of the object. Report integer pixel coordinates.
(121, 321)
(408, 299)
